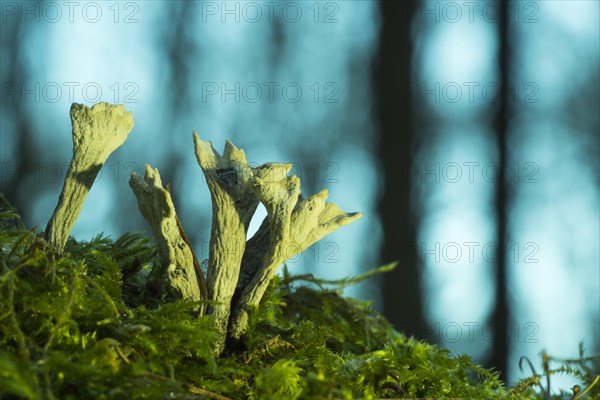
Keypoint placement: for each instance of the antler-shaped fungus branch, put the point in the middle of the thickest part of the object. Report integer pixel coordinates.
(183, 280)
(97, 132)
(292, 229)
(233, 204)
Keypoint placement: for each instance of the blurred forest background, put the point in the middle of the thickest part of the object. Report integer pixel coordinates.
(467, 132)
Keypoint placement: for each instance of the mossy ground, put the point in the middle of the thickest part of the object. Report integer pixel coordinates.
(82, 327)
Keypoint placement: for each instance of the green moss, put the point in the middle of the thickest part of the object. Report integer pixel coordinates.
(82, 326)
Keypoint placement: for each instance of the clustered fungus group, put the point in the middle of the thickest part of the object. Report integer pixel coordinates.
(239, 271)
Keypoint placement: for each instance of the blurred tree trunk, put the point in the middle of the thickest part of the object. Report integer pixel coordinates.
(392, 73)
(14, 176)
(501, 313)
